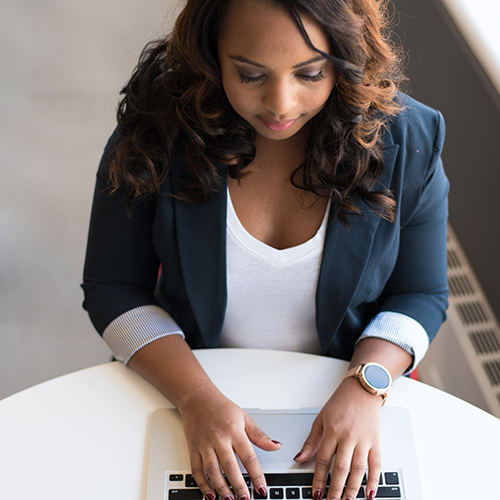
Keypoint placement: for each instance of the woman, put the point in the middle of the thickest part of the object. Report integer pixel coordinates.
(293, 199)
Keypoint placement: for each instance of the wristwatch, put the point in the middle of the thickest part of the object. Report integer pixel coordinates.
(373, 377)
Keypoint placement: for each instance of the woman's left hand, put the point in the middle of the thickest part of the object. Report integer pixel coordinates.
(347, 428)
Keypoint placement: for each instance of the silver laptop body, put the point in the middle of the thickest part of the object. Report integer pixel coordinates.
(168, 456)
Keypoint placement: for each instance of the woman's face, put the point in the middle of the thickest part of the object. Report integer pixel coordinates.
(271, 77)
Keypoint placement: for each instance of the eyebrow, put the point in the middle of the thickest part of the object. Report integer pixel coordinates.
(261, 66)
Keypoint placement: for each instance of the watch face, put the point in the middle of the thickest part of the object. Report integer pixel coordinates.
(376, 376)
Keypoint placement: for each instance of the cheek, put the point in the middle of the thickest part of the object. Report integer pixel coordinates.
(317, 99)
(230, 86)
(239, 100)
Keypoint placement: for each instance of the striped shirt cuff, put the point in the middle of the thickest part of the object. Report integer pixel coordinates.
(136, 328)
(401, 330)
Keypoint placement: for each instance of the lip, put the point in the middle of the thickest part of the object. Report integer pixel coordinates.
(278, 126)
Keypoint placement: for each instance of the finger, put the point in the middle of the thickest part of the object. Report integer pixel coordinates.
(213, 471)
(311, 444)
(234, 477)
(340, 471)
(374, 468)
(358, 469)
(249, 459)
(258, 437)
(322, 468)
(200, 477)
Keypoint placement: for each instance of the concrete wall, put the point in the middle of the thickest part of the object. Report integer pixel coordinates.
(62, 64)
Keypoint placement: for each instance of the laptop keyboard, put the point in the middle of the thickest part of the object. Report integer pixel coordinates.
(281, 486)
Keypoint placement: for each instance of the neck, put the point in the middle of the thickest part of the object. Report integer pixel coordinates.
(286, 154)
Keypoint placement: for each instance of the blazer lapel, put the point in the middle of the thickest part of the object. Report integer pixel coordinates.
(345, 256)
(203, 266)
(201, 237)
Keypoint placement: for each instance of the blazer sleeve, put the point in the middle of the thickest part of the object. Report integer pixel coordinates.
(418, 285)
(121, 265)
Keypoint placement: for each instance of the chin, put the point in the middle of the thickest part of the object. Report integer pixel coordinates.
(275, 135)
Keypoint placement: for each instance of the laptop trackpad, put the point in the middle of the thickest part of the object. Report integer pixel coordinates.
(290, 429)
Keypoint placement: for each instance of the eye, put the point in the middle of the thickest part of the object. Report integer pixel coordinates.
(249, 79)
(313, 78)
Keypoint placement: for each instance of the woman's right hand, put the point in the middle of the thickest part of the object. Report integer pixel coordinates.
(216, 431)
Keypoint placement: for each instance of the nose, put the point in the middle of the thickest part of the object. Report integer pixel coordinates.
(280, 97)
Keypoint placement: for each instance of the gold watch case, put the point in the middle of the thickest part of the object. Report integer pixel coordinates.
(373, 377)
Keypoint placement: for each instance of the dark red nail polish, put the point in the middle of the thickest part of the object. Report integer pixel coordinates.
(299, 454)
(318, 494)
(371, 495)
(274, 441)
(262, 491)
(210, 496)
(228, 497)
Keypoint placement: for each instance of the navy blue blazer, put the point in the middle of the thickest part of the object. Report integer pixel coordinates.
(372, 266)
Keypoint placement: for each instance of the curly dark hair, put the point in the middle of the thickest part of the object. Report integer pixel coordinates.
(175, 99)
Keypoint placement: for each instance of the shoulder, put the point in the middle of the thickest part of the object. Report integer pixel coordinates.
(413, 143)
(415, 125)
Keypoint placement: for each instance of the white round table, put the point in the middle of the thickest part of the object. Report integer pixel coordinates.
(85, 435)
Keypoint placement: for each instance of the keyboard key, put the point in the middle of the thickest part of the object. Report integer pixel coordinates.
(388, 492)
(292, 493)
(276, 493)
(307, 492)
(192, 494)
(247, 480)
(289, 479)
(190, 482)
(176, 477)
(391, 478)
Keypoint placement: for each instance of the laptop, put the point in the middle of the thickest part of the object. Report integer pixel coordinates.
(169, 476)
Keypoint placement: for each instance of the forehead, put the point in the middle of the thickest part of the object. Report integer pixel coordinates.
(261, 27)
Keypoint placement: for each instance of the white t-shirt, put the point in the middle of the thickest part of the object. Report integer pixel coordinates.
(271, 293)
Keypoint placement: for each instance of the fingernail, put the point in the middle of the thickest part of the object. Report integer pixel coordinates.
(244, 497)
(298, 455)
(318, 494)
(274, 441)
(371, 495)
(228, 497)
(262, 491)
(210, 496)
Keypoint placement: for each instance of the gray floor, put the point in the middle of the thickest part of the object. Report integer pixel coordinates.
(62, 63)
